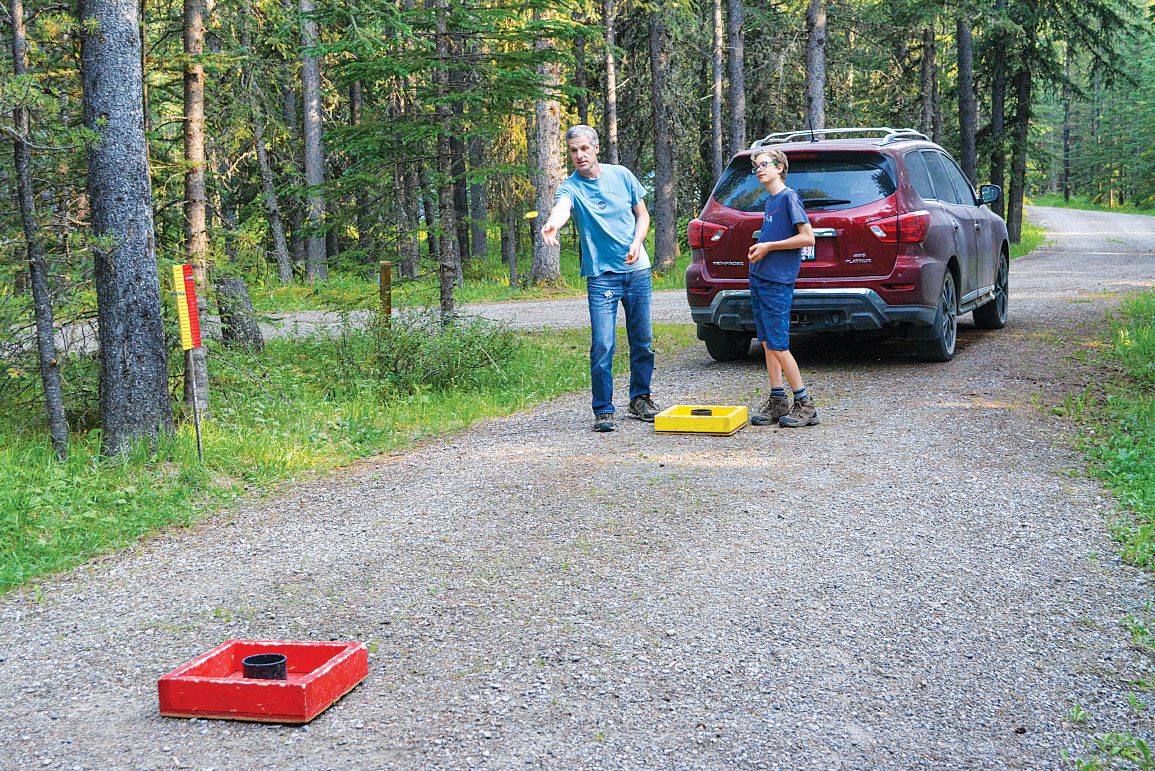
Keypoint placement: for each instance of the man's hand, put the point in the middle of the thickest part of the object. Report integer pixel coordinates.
(634, 253)
(549, 234)
(757, 252)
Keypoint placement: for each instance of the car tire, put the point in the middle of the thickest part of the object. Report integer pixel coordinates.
(993, 315)
(725, 345)
(941, 346)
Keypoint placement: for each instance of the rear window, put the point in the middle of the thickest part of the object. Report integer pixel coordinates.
(829, 181)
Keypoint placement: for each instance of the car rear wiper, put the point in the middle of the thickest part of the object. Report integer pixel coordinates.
(808, 202)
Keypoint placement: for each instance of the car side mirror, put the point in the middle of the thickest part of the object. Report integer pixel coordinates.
(990, 193)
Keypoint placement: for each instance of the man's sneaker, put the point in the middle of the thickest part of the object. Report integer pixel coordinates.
(643, 408)
(802, 413)
(604, 422)
(774, 408)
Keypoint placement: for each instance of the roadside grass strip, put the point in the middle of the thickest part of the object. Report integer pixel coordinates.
(304, 407)
(1118, 439)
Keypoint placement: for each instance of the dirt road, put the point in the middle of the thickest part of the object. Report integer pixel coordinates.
(919, 582)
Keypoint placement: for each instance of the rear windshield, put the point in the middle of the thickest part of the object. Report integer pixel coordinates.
(830, 181)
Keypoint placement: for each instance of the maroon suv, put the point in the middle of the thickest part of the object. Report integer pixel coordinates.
(902, 243)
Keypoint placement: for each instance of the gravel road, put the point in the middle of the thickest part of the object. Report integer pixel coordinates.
(918, 583)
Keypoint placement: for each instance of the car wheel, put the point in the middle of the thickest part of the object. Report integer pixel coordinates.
(941, 346)
(725, 345)
(993, 315)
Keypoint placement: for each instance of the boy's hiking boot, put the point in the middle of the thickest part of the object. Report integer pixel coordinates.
(802, 413)
(771, 412)
(604, 422)
(643, 408)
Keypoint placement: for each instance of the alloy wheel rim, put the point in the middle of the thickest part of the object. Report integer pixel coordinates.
(948, 314)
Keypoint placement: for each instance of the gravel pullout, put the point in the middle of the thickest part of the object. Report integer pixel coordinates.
(919, 582)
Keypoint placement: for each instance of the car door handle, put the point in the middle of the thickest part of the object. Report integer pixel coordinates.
(756, 235)
(824, 232)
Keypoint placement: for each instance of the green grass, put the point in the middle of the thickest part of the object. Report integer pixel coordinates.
(308, 406)
(1119, 443)
(1031, 238)
(1085, 202)
(485, 281)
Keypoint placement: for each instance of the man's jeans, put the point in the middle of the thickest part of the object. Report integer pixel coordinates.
(603, 293)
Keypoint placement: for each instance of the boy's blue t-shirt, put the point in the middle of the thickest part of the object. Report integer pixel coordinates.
(602, 211)
(784, 211)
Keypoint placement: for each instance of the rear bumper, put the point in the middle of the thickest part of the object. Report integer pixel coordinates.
(816, 310)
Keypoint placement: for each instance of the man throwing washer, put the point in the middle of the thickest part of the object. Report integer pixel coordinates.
(608, 207)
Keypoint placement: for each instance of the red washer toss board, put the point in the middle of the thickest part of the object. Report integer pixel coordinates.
(213, 685)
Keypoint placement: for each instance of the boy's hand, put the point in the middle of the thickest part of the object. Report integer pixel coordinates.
(757, 252)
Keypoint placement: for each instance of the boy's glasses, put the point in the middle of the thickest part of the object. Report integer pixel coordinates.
(764, 164)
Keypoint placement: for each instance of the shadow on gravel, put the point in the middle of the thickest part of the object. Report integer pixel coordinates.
(833, 350)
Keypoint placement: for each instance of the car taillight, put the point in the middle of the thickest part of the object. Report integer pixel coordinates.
(702, 234)
(909, 228)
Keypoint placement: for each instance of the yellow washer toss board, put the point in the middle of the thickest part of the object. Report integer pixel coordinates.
(713, 419)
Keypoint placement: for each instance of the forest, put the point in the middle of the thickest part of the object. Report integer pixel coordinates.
(301, 142)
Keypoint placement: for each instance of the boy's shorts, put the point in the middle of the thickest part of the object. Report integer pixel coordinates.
(771, 303)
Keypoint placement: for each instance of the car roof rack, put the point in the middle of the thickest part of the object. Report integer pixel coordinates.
(889, 135)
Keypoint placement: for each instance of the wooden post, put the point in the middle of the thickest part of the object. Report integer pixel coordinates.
(386, 283)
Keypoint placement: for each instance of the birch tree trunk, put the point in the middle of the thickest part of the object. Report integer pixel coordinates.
(967, 118)
(816, 64)
(665, 173)
(37, 264)
(134, 397)
(717, 162)
(316, 264)
(546, 266)
(196, 241)
(611, 116)
(735, 36)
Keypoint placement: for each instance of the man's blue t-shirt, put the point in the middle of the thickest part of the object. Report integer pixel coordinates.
(784, 211)
(602, 210)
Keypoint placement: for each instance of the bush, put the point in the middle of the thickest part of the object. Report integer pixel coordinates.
(416, 352)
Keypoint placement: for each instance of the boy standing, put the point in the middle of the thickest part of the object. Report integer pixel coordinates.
(774, 264)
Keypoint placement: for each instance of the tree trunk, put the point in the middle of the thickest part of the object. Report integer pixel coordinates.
(998, 111)
(1019, 153)
(134, 398)
(1067, 128)
(269, 192)
(509, 242)
(316, 265)
(409, 249)
(579, 70)
(457, 149)
(816, 64)
(196, 241)
(967, 118)
(926, 83)
(239, 328)
(717, 162)
(665, 173)
(546, 267)
(38, 265)
(735, 35)
(611, 116)
(478, 202)
(450, 260)
(362, 213)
